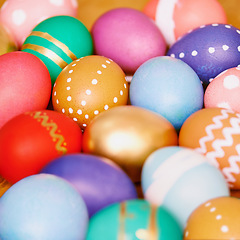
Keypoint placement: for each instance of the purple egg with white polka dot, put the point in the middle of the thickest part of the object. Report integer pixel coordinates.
(209, 50)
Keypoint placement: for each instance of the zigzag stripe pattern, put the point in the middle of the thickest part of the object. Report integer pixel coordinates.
(210, 137)
(53, 129)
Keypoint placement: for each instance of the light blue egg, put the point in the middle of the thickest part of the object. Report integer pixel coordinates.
(180, 180)
(169, 87)
(42, 207)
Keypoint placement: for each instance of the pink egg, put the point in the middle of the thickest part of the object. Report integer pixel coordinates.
(128, 37)
(25, 84)
(176, 17)
(20, 17)
(224, 90)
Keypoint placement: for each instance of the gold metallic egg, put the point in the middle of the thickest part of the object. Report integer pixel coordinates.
(128, 135)
(89, 86)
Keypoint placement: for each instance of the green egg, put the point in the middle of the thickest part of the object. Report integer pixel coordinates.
(58, 41)
(133, 220)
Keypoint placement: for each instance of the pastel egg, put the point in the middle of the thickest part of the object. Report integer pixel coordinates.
(89, 86)
(109, 185)
(129, 39)
(4, 186)
(25, 85)
(180, 179)
(43, 206)
(133, 219)
(178, 17)
(217, 218)
(127, 135)
(20, 17)
(31, 140)
(224, 90)
(209, 50)
(214, 132)
(169, 87)
(58, 41)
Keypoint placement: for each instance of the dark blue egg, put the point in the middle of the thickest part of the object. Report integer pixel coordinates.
(209, 50)
(99, 181)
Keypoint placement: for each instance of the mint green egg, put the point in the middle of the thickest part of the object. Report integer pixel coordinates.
(58, 41)
(133, 220)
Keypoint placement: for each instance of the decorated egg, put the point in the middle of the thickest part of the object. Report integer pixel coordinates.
(43, 206)
(20, 17)
(90, 11)
(129, 39)
(177, 17)
(127, 135)
(7, 43)
(180, 179)
(4, 186)
(89, 86)
(209, 50)
(169, 87)
(31, 140)
(133, 219)
(25, 85)
(215, 133)
(224, 90)
(217, 218)
(106, 182)
(58, 41)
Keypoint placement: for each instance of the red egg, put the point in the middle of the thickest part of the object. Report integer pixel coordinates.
(25, 85)
(224, 90)
(31, 140)
(175, 18)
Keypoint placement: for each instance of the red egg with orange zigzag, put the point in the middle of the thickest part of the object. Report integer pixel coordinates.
(215, 133)
(31, 140)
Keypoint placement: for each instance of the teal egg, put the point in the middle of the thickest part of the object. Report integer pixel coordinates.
(58, 41)
(133, 220)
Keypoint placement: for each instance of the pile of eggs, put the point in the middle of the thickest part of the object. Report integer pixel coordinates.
(129, 129)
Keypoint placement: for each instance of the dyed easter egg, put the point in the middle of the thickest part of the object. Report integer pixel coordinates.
(25, 85)
(89, 86)
(224, 90)
(215, 133)
(180, 179)
(169, 87)
(130, 38)
(110, 183)
(178, 17)
(209, 50)
(127, 135)
(20, 17)
(133, 219)
(31, 140)
(58, 41)
(7, 43)
(4, 185)
(42, 206)
(217, 218)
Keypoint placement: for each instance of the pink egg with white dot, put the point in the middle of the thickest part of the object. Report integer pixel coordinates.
(224, 90)
(20, 17)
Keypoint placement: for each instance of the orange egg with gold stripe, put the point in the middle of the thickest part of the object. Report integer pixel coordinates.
(215, 133)
(89, 86)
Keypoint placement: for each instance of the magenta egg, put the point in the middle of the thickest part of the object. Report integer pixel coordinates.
(128, 37)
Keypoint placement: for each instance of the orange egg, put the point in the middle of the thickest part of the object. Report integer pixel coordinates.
(215, 132)
(89, 86)
(217, 218)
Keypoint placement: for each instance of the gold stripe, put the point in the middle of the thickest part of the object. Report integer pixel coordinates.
(52, 128)
(152, 228)
(56, 42)
(121, 233)
(47, 53)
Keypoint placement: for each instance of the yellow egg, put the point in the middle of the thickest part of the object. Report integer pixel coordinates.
(89, 86)
(127, 135)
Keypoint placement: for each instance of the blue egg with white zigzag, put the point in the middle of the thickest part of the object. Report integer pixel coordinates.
(181, 179)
